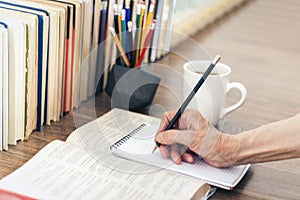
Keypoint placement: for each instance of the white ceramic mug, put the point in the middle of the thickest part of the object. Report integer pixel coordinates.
(210, 99)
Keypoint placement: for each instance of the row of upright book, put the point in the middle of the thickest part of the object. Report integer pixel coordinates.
(50, 60)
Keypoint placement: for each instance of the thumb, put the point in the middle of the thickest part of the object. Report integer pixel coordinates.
(172, 136)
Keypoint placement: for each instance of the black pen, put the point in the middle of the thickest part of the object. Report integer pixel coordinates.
(190, 97)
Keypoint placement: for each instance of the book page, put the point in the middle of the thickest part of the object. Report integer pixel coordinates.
(112, 126)
(61, 164)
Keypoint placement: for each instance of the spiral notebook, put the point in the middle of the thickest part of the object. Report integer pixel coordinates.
(138, 146)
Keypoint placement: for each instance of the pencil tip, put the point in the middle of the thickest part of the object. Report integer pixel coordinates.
(129, 24)
(154, 149)
(112, 30)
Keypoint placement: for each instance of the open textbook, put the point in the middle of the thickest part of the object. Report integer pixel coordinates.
(84, 167)
(87, 162)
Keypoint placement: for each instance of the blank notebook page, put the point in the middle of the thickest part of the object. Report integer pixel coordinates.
(138, 146)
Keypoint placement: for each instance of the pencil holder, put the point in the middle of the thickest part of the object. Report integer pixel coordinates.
(131, 88)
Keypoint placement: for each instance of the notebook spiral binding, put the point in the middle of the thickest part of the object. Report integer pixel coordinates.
(125, 138)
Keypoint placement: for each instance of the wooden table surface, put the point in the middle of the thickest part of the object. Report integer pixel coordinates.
(260, 41)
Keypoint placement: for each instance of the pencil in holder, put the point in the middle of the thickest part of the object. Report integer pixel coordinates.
(131, 88)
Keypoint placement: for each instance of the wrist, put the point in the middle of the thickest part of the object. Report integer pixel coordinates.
(234, 148)
(229, 148)
(225, 151)
(243, 148)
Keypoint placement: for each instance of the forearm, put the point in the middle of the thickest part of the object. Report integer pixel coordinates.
(275, 141)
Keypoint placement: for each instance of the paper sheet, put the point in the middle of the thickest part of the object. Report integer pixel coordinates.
(64, 171)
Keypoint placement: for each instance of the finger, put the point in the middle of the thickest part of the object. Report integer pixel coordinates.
(166, 118)
(174, 154)
(190, 119)
(164, 150)
(173, 136)
(186, 155)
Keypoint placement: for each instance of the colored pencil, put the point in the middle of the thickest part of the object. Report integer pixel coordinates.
(119, 45)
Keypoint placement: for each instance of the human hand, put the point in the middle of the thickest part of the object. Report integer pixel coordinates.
(193, 135)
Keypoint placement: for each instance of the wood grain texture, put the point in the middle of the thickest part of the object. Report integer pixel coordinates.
(260, 41)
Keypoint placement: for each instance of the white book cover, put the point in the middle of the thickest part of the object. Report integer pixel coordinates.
(17, 66)
(4, 80)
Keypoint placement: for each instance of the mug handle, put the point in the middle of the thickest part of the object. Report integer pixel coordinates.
(243, 91)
